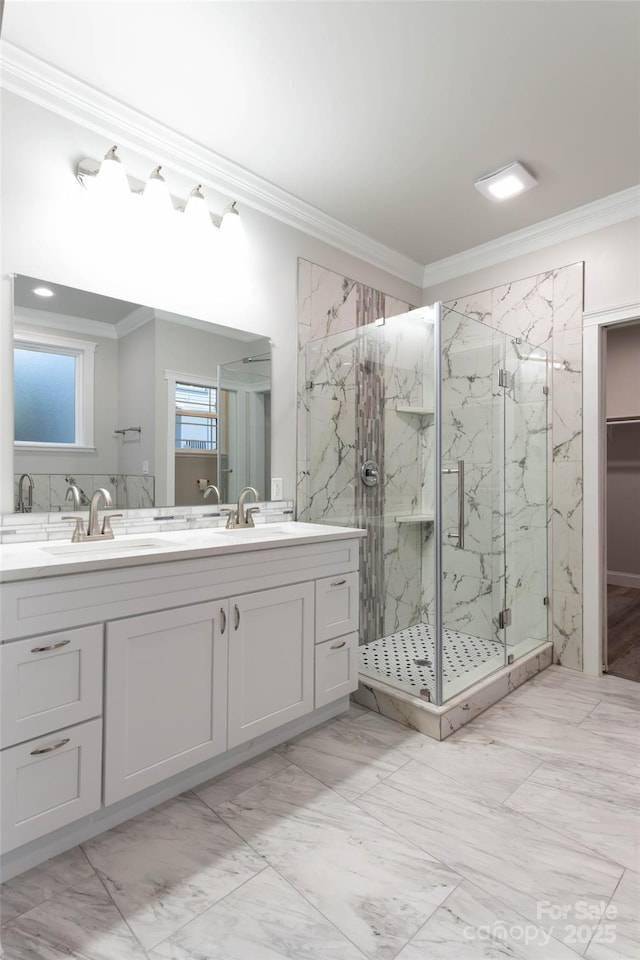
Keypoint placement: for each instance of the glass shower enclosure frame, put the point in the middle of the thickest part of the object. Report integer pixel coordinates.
(430, 431)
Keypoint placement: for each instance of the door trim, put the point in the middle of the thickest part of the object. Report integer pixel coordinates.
(594, 481)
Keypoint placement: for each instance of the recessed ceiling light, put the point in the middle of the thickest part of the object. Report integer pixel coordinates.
(507, 182)
(43, 291)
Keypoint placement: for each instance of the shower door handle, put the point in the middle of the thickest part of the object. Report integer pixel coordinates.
(460, 472)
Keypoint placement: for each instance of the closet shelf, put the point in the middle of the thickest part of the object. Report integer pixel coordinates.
(416, 518)
(418, 411)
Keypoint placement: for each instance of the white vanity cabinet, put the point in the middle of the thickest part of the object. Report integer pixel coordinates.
(201, 662)
(166, 695)
(271, 643)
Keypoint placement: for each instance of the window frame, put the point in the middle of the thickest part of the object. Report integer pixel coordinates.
(84, 353)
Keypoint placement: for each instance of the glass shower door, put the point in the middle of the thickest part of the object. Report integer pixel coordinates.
(526, 513)
(470, 525)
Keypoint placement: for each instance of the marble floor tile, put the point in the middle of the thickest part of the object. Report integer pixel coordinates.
(616, 723)
(81, 923)
(572, 706)
(170, 864)
(491, 767)
(39, 884)
(234, 781)
(264, 919)
(473, 925)
(598, 808)
(343, 756)
(609, 688)
(509, 856)
(624, 917)
(375, 887)
(550, 739)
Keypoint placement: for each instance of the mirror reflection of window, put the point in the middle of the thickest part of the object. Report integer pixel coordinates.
(44, 396)
(198, 425)
(196, 417)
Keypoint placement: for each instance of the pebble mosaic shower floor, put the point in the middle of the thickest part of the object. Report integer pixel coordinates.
(405, 659)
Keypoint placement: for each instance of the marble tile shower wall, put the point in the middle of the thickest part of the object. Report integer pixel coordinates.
(546, 310)
(49, 489)
(336, 400)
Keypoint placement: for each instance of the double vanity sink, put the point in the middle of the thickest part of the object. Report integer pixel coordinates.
(135, 668)
(56, 558)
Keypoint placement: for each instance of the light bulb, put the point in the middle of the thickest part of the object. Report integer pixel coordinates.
(156, 196)
(111, 180)
(231, 230)
(196, 211)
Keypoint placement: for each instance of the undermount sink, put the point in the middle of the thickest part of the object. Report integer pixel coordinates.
(269, 531)
(89, 548)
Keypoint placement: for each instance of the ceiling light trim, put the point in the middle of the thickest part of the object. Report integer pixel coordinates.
(624, 205)
(48, 86)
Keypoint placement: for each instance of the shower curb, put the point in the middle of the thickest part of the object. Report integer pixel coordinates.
(440, 722)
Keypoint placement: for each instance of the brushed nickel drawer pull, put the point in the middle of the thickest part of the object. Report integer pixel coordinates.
(50, 646)
(223, 620)
(54, 746)
(237, 613)
(336, 646)
(338, 583)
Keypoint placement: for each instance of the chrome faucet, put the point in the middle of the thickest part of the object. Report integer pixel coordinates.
(94, 532)
(244, 518)
(28, 507)
(209, 488)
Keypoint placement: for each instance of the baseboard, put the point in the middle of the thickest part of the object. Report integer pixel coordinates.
(618, 579)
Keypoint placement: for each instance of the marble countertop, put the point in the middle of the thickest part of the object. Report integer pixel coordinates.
(54, 558)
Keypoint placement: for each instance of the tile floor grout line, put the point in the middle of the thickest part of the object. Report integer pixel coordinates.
(382, 780)
(201, 913)
(118, 910)
(505, 800)
(318, 910)
(586, 949)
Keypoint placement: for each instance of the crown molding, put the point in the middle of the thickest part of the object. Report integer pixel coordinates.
(52, 88)
(566, 226)
(59, 321)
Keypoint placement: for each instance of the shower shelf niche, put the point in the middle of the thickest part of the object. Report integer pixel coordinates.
(418, 411)
(416, 518)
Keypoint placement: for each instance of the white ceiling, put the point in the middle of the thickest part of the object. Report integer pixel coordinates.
(379, 114)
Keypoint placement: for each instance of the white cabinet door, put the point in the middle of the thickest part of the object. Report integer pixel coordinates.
(50, 782)
(166, 695)
(49, 682)
(336, 668)
(271, 640)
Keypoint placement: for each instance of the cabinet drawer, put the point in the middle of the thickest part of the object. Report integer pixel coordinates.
(50, 682)
(49, 782)
(337, 600)
(336, 668)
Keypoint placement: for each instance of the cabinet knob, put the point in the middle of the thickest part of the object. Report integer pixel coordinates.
(50, 646)
(54, 746)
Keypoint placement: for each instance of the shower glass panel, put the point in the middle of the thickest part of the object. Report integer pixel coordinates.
(527, 433)
(429, 431)
(471, 503)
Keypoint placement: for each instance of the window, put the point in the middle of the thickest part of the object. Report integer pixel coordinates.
(196, 417)
(53, 391)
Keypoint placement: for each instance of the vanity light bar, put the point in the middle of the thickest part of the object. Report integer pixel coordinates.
(88, 169)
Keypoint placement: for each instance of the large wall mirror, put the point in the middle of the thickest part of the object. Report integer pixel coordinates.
(151, 405)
